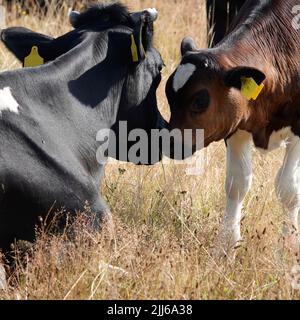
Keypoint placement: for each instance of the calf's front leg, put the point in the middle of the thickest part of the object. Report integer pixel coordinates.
(3, 284)
(288, 191)
(238, 183)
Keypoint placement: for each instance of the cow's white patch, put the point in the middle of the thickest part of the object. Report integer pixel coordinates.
(7, 101)
(277, 140)
(182, 75)
(153, 13)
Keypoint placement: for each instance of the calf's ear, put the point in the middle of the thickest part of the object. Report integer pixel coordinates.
(21, 40)
(234, 77)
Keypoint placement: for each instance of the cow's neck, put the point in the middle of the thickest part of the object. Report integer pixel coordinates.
(96, 76)
(67, 42)
(94, 82)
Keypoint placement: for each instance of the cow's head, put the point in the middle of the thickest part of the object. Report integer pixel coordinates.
(138, 105)
(203, 94)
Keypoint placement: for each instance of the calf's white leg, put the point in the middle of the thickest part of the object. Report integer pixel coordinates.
(238, 183)
(288, 190)
(3, 284)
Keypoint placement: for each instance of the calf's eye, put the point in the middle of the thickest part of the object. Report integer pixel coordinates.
(201, 101)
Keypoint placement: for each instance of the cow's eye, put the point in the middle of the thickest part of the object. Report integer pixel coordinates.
(201, 101)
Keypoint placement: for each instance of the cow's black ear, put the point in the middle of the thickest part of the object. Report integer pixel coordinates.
(142, 35)
(137, 46)
(21, 40)
(188, 44)
(233, 78)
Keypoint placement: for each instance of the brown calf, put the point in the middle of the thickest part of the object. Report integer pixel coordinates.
(246, 89)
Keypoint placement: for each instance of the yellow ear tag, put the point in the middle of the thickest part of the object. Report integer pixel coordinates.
(34, 59)
(134, 50)
(250, 89)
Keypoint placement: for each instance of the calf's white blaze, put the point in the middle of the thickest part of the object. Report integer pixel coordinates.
(7, 101)
(182, 75)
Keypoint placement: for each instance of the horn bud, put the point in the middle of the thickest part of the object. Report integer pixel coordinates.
(152, 13)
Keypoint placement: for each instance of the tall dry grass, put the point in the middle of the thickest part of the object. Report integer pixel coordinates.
(166, 221)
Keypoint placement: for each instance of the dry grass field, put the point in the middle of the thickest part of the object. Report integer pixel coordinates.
(166, 222)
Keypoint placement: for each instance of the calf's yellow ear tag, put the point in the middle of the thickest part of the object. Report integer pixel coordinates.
(134, 50)
(250, 89)
(34, 59)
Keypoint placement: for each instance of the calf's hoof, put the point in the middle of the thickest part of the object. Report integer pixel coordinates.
(227, 245)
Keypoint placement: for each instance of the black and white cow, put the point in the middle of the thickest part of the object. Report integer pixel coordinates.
(50, 115)
(20, 40)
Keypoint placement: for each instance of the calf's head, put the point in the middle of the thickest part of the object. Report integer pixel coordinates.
(204, 94)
